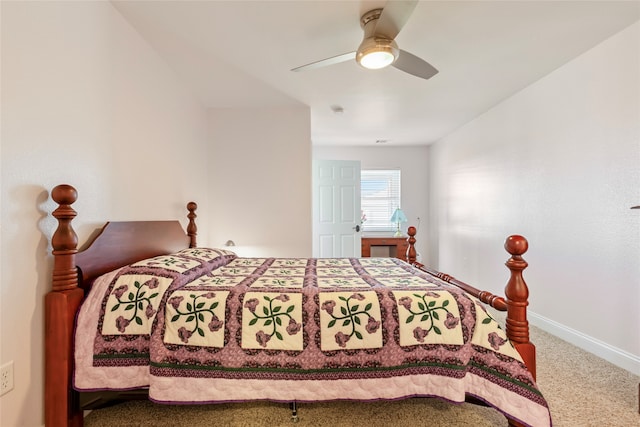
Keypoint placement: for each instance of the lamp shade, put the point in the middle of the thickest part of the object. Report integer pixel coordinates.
(398, 216)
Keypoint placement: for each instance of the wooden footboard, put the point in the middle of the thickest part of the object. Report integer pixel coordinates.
(516, 292)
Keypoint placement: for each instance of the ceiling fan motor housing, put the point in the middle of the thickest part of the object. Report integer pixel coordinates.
(375, 51)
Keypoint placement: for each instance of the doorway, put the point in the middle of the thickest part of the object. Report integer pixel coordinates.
(336, 209)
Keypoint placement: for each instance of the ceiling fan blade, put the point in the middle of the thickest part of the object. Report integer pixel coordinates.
(325, 62)
(393, 17)
(411, 64)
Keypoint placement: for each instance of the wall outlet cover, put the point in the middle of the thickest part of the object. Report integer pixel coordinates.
(6, 378)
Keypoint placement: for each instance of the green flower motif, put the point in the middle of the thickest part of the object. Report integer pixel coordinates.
(135, 302)
(272, 316)
(350, 315)
(195, 312)
(429, 312)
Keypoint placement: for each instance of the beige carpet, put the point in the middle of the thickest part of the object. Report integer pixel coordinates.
(582, 390)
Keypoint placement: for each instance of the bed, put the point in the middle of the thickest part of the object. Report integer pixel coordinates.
(141, 310)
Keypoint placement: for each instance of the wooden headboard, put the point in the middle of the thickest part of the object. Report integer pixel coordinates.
(116, 245)
(123, 243)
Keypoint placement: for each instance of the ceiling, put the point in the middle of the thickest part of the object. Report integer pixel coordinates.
(238, 54)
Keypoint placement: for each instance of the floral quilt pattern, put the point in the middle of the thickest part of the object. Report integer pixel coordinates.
(270, 312)
(133, 298)
(350, 320)
(133, 304)
(193, 312)
(206, 314)
(428, 317)
(272, 321)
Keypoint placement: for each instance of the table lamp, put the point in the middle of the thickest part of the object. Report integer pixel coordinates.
(398, 217)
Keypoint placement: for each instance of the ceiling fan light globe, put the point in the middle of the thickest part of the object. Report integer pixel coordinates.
(376, 53)
(377, 60)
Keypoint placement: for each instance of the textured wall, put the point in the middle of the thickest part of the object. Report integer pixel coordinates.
(558, 163)
(85, 102)
(261, 168)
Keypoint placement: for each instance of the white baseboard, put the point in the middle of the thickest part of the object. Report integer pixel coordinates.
(611, 354)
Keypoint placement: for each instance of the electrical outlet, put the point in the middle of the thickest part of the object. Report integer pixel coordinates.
(6, 378)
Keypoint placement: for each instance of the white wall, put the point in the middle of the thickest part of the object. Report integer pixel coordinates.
(262, 167)
(413, 164)
(86, 102)
(560, 164)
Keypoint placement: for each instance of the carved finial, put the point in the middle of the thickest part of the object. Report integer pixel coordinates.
(516, 245)
(192, 229)
(516, 291)
(64, 240)
(64, 194)
(411, 250)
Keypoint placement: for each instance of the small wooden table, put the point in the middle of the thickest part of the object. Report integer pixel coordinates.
(394, 247)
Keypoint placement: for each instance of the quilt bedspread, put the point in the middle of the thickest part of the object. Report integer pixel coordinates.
(202, 325)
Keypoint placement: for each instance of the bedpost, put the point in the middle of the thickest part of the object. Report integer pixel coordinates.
(517, 295)
(62, 407)
(192, 229)
(411, 250)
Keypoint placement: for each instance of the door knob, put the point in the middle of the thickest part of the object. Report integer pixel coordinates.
(357, 228)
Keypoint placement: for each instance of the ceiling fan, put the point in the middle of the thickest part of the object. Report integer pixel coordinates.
(378, 48)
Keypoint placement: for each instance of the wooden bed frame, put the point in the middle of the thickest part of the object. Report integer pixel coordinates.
(122, 243)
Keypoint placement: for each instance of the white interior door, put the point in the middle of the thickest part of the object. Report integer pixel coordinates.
(336, 209)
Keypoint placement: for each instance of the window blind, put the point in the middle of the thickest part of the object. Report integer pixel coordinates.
(379, 198)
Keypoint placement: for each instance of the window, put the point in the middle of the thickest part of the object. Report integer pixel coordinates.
(379, 198)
